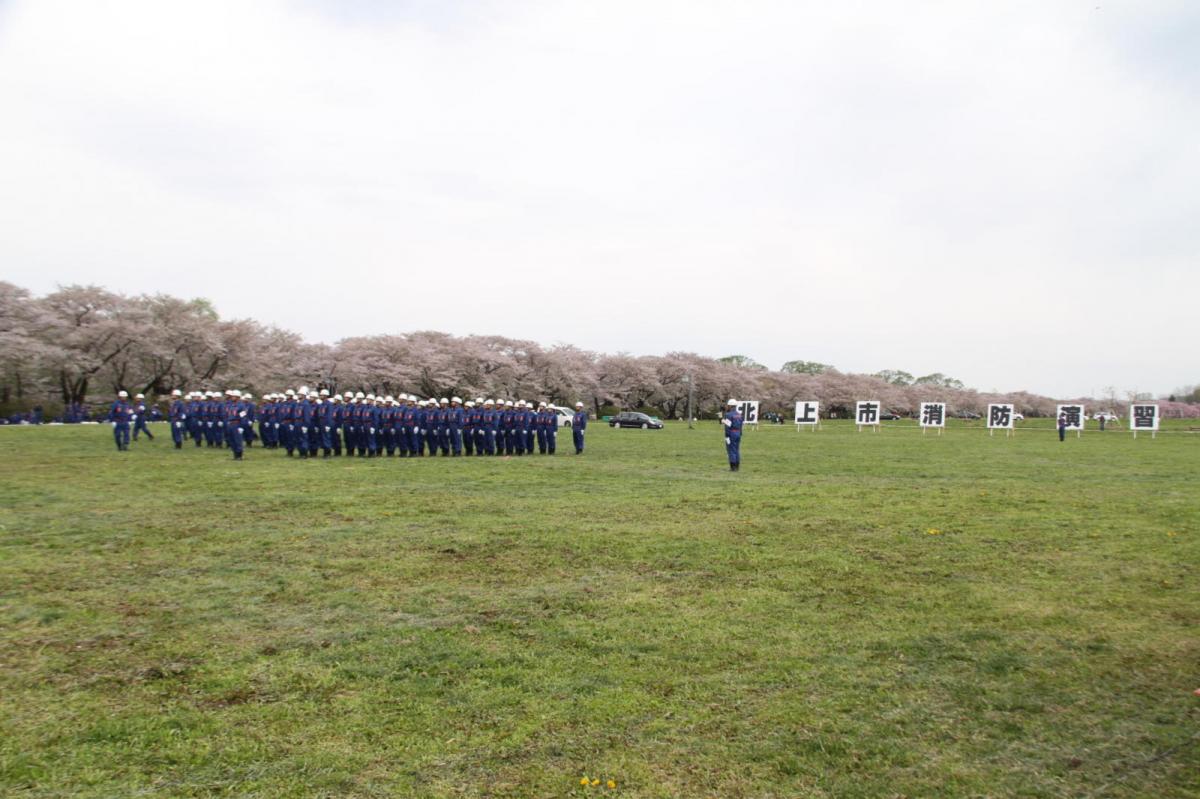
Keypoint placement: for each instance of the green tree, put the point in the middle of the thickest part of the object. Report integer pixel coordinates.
(806, 367)
(897, 377)
(939, 380)
(743, 361)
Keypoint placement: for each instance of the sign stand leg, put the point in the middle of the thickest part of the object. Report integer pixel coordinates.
(991, 432)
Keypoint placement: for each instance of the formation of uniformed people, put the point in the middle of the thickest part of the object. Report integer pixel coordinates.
(311, 423)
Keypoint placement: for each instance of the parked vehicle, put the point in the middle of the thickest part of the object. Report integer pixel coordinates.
(890, 416)
(968, 415)
(565, 415)
(635, 419)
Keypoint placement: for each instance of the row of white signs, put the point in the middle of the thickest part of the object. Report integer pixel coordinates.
(1000, 415)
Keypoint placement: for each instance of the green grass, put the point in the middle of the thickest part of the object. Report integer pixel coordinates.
(851, 615)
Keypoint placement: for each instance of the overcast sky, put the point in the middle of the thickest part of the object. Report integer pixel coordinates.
(1005, 192)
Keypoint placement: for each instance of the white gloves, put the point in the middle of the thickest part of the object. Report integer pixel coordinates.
(371, 430)
(178, 425)
(114, 424)
(183, 416)
(277, 425)
(326, 429)
(133, 418)
(242, 414)
(726, 422)
(220, 424)
(304, 430)
(727, 440)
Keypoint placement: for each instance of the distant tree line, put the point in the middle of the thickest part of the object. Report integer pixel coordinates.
(83, 343)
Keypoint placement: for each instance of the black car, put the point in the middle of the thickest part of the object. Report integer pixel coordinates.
(890, 416)
(634, 419)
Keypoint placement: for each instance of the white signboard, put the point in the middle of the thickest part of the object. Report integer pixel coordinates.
(866, 412)
(933, 414)
(1143, 417)
(1000, 416)
(808, 412)
(749, 409)
(1074, 416)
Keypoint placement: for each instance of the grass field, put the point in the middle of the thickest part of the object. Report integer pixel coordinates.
(851, 615)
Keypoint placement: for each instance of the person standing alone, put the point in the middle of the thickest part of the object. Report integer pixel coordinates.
(578, 425)
(732, 422)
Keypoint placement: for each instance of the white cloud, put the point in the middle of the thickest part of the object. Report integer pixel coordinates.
(961, 188)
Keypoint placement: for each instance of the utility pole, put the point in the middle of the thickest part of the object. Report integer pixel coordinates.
(690, 384)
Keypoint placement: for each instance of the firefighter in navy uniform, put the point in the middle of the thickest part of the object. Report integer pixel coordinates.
(121, 414)
(176, 417)
(732, 422)
(578, 426)
(141, 415)
(234, 413)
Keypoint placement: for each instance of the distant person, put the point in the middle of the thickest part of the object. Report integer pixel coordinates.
(1062, 427)
(732, 422)
(1103, 419)
(578, 426)
(37, 414)
(121, 414)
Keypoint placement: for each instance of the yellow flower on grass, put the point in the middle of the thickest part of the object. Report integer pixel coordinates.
(595, 783)
(583, 780)
(612, 783)
(933, 531)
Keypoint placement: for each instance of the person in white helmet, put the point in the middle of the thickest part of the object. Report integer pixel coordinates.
(177, 417)
(455, 417)
(266, 421)
(732, 422)
(234, 416)
(470, 422)
(121, 415)
(541, 427)
(488, 421)
(141, 415)
(578, 426)
(251, 409)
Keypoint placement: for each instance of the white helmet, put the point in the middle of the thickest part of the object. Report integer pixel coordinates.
(456, 399)
(508, 403)
(348, 395)
(389, 398)
(140, 396)
(122, 393)
(732, 403)
(324, 392)
(290, 393)
(444, 401)
(360, 395)
(489, 402)
(176, 393)
(470, 404)
(579, 405)
(247, 395)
